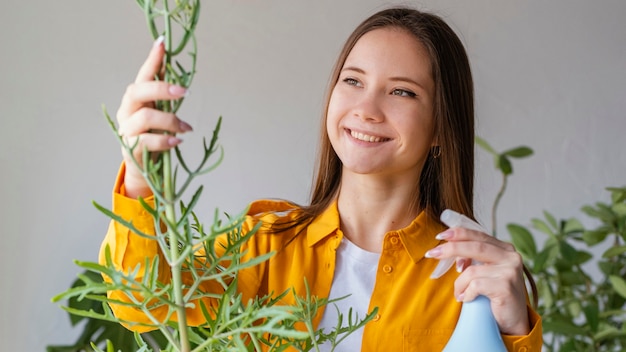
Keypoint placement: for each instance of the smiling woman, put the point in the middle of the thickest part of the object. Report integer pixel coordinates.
(380, 120)
(396, 150)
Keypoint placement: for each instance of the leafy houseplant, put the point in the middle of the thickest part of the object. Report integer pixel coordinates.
(203, 253)
(583, 307)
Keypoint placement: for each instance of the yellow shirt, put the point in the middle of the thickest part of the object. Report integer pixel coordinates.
(415, 313)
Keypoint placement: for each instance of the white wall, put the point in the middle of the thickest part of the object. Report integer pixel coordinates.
(549, 74)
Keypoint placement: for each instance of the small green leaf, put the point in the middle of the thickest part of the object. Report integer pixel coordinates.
(567, 251)
(594, 237)
(607, 333)
(504, 165)
(582, 257)
(523, 241)
(571, 278)
(574, 308)
(551, 219)
(614, 251)
(483, 144)
(544, 258)
(619, 285)
(591, 311)
(563, 327)
(619, 209)
(572, 226)
(618, 195)
(546, 296)
(519, 152)
(542, 226)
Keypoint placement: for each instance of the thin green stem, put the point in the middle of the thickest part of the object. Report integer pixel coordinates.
(494, 209)
(169, 193)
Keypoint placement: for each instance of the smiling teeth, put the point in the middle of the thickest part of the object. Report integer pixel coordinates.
(363, 137)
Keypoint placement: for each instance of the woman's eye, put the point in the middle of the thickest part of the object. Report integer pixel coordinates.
(351, 81)
(403, 93)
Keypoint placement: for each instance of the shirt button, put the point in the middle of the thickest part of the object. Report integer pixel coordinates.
(387, 268)
(376, 317)
(394, 240)
(523, 349)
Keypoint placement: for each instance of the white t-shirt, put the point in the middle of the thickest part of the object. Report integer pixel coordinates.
(355, 275)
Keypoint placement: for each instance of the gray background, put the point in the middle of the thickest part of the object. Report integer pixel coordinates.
(549, 74)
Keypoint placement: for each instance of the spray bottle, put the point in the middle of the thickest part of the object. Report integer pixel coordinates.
(477, 329)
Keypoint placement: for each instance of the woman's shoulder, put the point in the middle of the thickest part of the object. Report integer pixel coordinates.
(274, 212)
(278, 207)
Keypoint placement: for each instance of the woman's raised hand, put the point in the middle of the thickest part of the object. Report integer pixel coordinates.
(499, 276)
(140, 123)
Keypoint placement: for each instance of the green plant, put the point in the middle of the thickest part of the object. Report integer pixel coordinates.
(581, 298)
(204, 253)
(98, 331)
(502, 162)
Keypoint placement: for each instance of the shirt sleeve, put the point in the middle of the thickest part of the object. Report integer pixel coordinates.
(528, 343)
(129, 251)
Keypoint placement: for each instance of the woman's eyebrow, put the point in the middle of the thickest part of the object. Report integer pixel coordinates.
(407, 80)
(393, 79)
(353, 68)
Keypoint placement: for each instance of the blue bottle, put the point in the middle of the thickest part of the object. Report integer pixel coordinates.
(477, 329)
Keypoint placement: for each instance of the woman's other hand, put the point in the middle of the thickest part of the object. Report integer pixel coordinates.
(499, 276)
(141, 124)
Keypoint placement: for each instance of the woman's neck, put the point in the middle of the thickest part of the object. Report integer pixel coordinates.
(369, 207)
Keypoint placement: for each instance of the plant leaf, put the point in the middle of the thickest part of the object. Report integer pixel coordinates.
(619, 285)
(519, 152)
(504, 164)
(551, 220)
(523, 241)
(483, 144)
(572, 226)
(594, 237)
(542, 226)
(614, 251)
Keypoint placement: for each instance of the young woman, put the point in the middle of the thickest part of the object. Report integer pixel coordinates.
(396, 150)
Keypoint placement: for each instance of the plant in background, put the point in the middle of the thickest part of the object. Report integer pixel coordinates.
(582, 299)
(502, 162)
(583, 307)
(203, 253)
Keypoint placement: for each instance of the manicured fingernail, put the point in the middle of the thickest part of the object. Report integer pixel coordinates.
(177, 90)
(459, 266)
(158, 41)
(460, 297)
(173, 141)
(444, 235)
(184, 126)
(433, 253)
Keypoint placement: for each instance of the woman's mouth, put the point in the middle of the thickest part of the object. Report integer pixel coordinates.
(367, 138)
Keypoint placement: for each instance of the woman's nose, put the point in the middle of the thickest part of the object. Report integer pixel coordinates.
(369, 107)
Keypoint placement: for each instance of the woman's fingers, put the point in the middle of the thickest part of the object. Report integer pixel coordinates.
(152, 66)
(152, 142)
(143, 94)
(147, 119)
(498, 275)
(497, 281)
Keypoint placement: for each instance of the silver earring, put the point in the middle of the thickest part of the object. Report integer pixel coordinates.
(436, 151)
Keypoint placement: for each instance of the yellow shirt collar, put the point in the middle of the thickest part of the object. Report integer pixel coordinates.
(417, 238)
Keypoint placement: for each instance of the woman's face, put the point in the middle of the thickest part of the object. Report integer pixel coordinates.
(380, 114)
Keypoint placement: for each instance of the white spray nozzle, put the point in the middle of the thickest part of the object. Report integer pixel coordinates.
(453, 219)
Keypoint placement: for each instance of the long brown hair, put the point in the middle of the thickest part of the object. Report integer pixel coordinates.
(447, 179)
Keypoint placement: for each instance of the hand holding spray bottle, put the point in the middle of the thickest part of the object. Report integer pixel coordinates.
(477, 329)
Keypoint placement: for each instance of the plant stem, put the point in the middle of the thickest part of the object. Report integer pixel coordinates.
(494, 209)
(170, 212)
